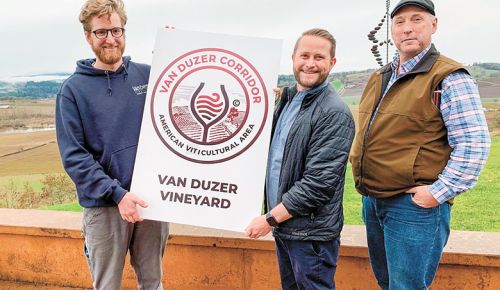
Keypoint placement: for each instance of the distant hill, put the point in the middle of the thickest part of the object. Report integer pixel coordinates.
(32, 87)
(350, 83)
(489, 87)
(487, 76)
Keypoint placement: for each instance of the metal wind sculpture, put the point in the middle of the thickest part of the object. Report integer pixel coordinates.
(383, 41)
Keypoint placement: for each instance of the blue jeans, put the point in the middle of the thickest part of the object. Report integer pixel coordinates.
(307, 264)
(405, 241)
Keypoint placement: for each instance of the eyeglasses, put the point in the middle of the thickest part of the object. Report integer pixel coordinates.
(103, 33)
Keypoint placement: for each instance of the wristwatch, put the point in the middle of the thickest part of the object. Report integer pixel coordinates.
(271, 220)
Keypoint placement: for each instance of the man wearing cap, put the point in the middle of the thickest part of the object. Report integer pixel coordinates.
(422, 140)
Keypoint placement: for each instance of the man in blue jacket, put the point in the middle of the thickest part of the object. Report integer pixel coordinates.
(98, 117)
(311, 138)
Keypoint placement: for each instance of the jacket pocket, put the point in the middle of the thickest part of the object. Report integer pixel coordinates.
(392, 171)
(121, 165)
(299, 226)
(411, 173)
(430, 162)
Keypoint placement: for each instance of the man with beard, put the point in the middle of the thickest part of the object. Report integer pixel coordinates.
(311, 138)
(422, 140)
(98, 117)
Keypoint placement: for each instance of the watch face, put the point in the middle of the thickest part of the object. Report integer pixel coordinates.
(271, 220)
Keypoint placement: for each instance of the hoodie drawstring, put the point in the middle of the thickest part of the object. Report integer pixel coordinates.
(109, 84)
(126, 71)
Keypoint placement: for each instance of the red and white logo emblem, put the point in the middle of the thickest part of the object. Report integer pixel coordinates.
(209, 105)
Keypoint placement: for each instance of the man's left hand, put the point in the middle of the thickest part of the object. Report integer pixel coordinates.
(277, 93)
(423, 197)
(258, 227)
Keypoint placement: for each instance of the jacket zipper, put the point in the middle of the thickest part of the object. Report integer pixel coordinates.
(283, 158)
(365, 137)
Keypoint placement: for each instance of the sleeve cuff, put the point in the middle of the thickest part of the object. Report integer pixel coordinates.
(440, 191)
(291, 210)
(118, 194)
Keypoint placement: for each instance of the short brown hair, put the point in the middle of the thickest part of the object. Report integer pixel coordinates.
(99, 8)
(321, 33)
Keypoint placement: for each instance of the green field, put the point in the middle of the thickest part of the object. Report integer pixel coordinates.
(19, 180)
(74, 206)
(474, 210)
(351, 100)
(490, 100)
(352, 201)
(477, 209)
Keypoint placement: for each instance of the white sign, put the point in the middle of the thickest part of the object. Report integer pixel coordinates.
(205, 132)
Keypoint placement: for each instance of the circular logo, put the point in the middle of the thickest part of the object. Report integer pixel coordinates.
(209, 105)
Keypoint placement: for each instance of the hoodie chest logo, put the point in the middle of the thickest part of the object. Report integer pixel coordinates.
(140, 89)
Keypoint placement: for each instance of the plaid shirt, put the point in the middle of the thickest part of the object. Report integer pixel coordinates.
(465, 122)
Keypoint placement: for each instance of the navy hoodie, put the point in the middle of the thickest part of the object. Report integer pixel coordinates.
(98, 119)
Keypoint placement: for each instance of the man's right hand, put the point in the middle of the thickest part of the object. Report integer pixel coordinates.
(128, 207)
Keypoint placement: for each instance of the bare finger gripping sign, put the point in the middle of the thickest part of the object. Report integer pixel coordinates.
(202, 151)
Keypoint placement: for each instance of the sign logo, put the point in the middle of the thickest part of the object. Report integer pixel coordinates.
(209, 105)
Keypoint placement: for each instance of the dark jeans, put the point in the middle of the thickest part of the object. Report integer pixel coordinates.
(307, 264)
(405, 241)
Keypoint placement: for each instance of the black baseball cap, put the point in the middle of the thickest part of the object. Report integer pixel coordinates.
(425, 4)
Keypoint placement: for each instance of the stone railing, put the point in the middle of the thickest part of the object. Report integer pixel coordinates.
(45, 248)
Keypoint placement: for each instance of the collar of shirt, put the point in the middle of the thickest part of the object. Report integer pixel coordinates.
(403, 70)
(316, 89)
(302, 94)
(409, 64)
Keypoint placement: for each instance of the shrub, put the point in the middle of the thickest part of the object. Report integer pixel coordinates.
(28, 197)
(9, 195)
(57, 189)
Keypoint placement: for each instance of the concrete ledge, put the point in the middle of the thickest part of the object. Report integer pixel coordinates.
(45, 247)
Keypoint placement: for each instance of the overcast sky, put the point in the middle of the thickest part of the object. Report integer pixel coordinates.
(45, 36)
